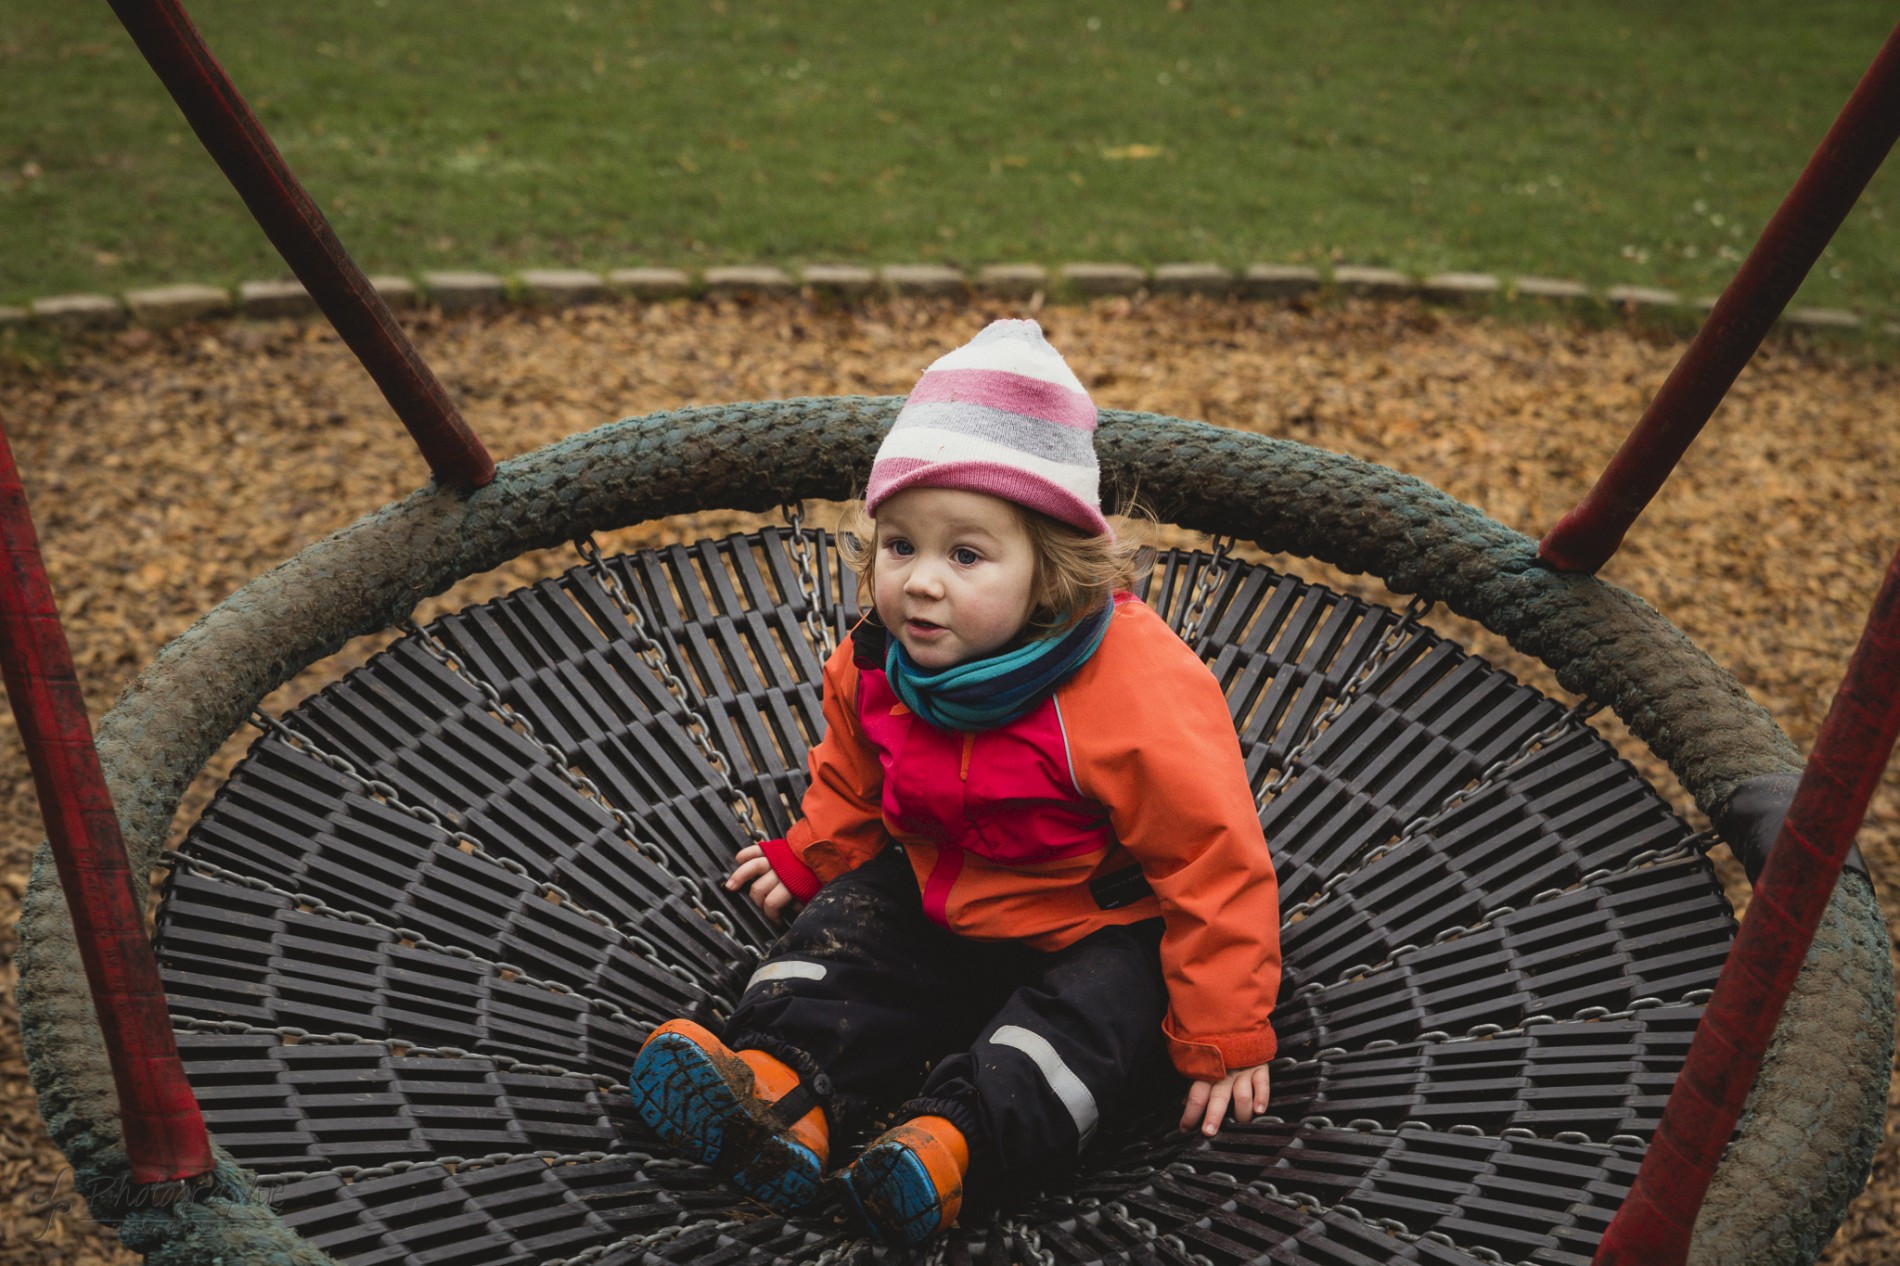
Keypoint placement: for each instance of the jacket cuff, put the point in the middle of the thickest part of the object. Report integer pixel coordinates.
(801, 880)
(1211, 1057)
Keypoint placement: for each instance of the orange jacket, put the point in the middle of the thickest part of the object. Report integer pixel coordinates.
(1033, 831)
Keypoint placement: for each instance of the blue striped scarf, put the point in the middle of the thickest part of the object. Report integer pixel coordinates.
(984, 694)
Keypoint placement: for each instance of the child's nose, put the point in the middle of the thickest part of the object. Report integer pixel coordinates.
(924, 580)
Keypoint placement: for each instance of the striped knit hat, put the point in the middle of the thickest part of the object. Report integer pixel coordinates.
(1003, 415)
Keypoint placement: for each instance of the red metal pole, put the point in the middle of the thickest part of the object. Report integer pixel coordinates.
(1849, 154)
(1850, 754)
(164, 1131)
(234, 137)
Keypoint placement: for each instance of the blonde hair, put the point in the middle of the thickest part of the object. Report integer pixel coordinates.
(1076, 572)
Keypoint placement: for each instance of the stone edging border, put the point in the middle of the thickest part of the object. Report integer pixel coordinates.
(553, 288)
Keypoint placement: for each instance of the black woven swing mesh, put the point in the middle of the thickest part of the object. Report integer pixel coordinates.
(415, 942)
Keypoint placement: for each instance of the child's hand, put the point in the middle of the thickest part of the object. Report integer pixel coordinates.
(753, 871)
(1245, 1088)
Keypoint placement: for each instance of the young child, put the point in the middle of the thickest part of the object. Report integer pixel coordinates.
(1032, 867)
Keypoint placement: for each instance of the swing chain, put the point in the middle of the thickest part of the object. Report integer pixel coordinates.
(1574, 720)
(1027, 1240)
(817, 628)
(635, 1246)
(654, 655)
(1204, 587)
(1396, 635)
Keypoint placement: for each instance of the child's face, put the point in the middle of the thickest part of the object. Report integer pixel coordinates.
(954, 575)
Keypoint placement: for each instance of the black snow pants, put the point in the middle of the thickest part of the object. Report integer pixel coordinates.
(1024, 1051)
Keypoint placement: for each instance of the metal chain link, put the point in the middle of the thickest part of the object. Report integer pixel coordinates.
(1366, 1125)
(643, 1241)
(847, 1251)
(1027, 1239)
(1648, 857)
(463, 1164)
(387, 794)
(1415, 611)
(1314, 1205)
(570, 771)
(1484, 1032)
(817, 628)
(1204, 586)
(397, 1049)
(1577, 718)
(656, 659)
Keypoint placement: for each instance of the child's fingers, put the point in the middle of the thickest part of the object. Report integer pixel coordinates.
(1243, 1099)
(779, 904)
(1217, 1096)
(747, 871)
(1195, 1104)
(763, 887)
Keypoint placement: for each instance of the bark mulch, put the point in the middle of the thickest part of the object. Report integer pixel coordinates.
(166, 469)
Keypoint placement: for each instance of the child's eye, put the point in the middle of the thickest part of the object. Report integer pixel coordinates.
(900, 547)
(965, 556)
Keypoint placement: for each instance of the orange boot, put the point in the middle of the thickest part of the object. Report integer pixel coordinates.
(745, 1114)
(908, 1184)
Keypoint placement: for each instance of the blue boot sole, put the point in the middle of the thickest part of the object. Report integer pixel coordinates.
(707, 1113)
(894, 1195)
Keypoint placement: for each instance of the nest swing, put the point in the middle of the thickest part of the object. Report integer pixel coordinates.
(412, 944)
(410, 948)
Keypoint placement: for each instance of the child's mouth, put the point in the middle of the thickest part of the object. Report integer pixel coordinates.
(922, 628)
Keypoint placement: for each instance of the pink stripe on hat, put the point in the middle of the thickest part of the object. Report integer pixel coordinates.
(998, 479)
(1007, 369)
(1012, 393)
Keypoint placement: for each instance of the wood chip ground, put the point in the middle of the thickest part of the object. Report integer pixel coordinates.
(166, 469)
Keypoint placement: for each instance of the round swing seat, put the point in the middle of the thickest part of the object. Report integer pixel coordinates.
(1498, 934)
(416, 939)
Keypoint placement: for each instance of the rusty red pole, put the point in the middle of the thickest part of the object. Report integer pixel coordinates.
(1849, 154)
(1850, 754)
(164, 1131)
(234, 137)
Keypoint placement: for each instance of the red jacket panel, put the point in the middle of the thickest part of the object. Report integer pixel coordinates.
(1022, 832)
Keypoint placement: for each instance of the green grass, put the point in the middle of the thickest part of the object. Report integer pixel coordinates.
(1608, 140)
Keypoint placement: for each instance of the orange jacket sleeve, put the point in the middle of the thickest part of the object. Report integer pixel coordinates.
(841, 826)
(1151, 738)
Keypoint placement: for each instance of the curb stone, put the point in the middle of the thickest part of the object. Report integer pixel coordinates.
(923, 280)
(1642, 297)
(163, 306)
(1104, 279)
(1552, 290)
(650, 283)
(1822, 318)
(847, 281)
(1279, 281)
(1456, 288)
(561, 287)
(1193, 279)
(1364, 282)
(461, 291)
(266, 299)
(398, 292)
(80, 312)
(745, 279)
(464, 291)
(1013, 281)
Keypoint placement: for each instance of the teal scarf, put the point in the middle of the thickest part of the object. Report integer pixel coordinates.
(984, 694)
